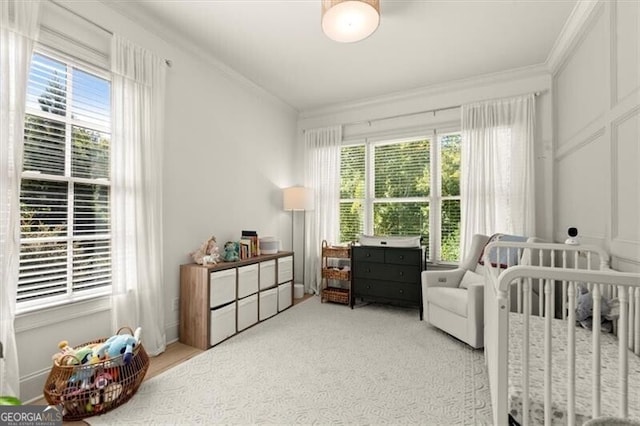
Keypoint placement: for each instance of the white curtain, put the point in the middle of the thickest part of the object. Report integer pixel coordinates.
(138, 91)
(18, 30)
(322, 159)
(497, 168)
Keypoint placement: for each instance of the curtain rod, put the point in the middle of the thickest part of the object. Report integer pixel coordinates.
(409, 114)
(95, 24)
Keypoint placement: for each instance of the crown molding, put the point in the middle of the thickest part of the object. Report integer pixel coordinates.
(571, 32)
(133, 12)
(426, 91)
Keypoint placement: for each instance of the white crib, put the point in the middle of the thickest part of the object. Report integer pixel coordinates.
(543, 368)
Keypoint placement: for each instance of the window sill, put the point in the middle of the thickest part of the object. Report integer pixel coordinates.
(42, 316)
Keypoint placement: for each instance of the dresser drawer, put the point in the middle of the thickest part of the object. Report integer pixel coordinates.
(382, 271)
(370, 270)
(402, 273)
(408, 292)
(368, 254)
(403, 257)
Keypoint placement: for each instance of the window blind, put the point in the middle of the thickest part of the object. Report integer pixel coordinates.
(65, 230)
(404, 188)
(352, 192)
(450, 197)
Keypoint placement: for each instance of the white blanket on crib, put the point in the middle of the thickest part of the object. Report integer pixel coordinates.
(609, 373)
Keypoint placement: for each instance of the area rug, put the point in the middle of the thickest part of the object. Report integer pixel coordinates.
(321, 363)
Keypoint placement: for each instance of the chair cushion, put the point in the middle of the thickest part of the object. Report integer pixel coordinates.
(469, 278)
(451, 299)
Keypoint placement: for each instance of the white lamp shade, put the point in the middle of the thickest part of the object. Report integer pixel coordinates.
(297, 198)
(347, 21)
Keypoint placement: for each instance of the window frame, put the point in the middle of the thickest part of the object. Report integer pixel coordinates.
(435, 198)
(71, 295)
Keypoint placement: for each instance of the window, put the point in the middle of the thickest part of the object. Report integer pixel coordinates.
(404, 188)
(65, 249)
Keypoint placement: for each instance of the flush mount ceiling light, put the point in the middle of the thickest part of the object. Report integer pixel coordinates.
(347, 21)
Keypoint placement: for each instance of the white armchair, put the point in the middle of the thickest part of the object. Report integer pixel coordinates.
(453, 300)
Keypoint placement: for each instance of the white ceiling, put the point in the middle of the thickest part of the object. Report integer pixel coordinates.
(279, 45)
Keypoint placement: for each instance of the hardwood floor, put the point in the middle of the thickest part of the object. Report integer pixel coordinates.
(174, 354)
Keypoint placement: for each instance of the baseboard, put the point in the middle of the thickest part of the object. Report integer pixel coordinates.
(32, 386)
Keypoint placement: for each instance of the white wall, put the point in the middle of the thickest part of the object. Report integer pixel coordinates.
(597, 114)
(500, 85)
(228, 149)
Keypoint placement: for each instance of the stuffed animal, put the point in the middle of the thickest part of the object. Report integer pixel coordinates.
(584, 310)
(112, 392)
(230, 252)
(213, 251)
(70, 356)
(120, 344)
(81, 378)
(65, 349)
(208, 252)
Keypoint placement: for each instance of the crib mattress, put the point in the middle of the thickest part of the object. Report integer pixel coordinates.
(609, 373)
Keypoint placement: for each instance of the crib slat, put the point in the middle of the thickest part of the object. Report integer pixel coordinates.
(564, 284)
(541, 297)
(547, 355)
(636, 326)
(631, 318)
(623, 366)
(571, 356)
(564, 300)
(519, 296)
(525, 351)
(596, 350)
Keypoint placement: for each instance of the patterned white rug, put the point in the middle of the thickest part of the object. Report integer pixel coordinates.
(321, 363)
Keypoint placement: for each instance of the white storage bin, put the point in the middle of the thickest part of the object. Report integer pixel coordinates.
(267, 274)
(285, 269)
(222, 287)
(223, 323)
(247, 280)
(268, 303)
(284, 296)
(247, 312)
(269, 245)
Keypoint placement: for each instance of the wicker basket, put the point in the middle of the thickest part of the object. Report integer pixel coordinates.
(90, 389)
(336, 295)
(336, 274)
(335, 251)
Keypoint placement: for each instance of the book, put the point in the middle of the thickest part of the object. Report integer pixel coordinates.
(245, 248)
(252, 237)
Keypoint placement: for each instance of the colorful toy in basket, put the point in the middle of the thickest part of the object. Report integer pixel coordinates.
(113, 347)
(71, 356)
(120, 344)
